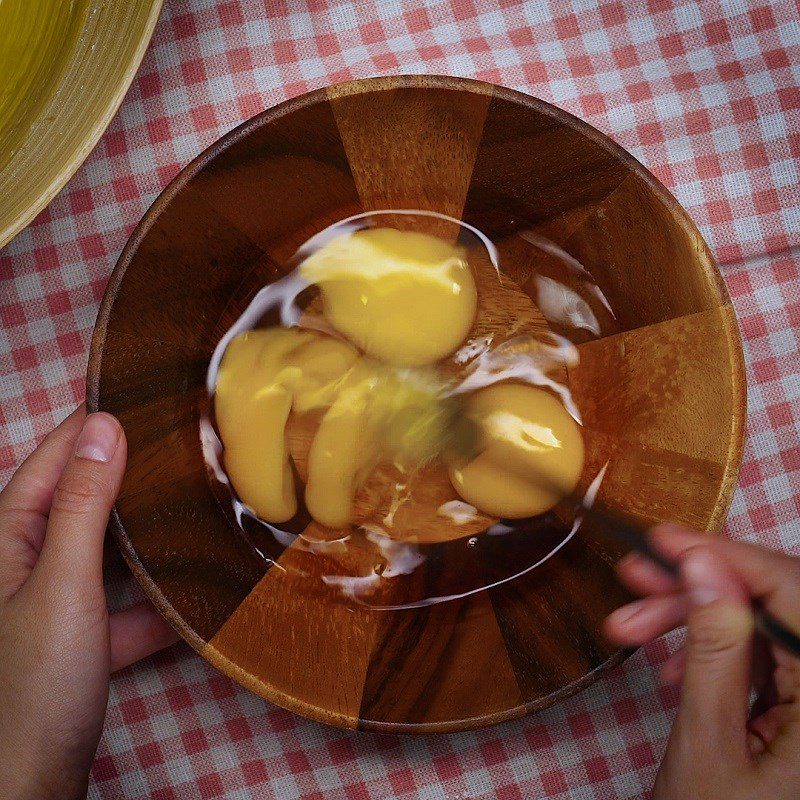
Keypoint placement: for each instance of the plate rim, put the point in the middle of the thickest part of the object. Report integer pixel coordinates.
(84, 148)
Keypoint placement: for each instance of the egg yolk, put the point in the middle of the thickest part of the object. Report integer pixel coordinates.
(263, 376)
(403, 297)
(528, 447)
(342, 452)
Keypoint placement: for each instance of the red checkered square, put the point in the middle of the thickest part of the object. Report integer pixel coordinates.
(238, 729)
(285, 51)
(205, 117)
(447, 767)
(149, 754)
(671, 45)
(133, 711)
(194, 741)
(791, 459)
(417, 20)
(464, 10)
(25, 358)
(641, 754)
(178, 698)
(554, 782)
(210, 786)
(104, 769)
(149, 85)
(703, 93)
(357, 791)
(612, 14)
(402, 781)
(11, 315)
(581, 725)
(597, 769)
(240, 60)
(298, 762)
(776, 59)
(254, 772)
(230, 15)
(158, 130)
(194, 71)
(493, 753)
(222, 687)
(115, 142)
(780, 414)
(125, 189)
(184, 27)
(567, 26)
(81, 201)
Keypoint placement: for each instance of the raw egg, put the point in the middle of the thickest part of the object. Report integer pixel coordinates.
(403, 297)
(263, 375)
(529, 447)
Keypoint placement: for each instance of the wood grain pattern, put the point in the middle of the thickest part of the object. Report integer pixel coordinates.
(534, 168)
(678, 448)
(291, 179)
(659, 384)
(406, 143)
(550, 618)
(308, 664)
(463, 673)
(639, 260)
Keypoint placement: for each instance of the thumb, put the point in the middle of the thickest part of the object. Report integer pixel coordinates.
(72, 554)
(716, 683)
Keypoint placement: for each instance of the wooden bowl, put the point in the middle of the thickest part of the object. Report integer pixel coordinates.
(665, 396)
(74, 63)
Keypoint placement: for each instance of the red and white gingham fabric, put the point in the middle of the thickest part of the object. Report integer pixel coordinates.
(705, 93)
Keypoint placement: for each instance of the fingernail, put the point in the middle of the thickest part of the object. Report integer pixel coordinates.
(628, 612)
(704, 583)
(99, 438)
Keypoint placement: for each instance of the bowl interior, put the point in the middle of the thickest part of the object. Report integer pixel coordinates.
(660, 388)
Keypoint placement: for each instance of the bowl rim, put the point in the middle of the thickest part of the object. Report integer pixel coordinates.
(84, 147)
(737, 364)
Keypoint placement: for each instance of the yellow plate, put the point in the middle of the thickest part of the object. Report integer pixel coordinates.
(65, 66)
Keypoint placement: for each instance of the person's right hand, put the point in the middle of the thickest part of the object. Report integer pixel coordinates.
(720, 748)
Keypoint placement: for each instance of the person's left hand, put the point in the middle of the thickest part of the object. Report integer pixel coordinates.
(58, 644)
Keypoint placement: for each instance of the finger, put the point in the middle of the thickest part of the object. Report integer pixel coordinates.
(30, 490)
(782, 723)
(673, 540)
(671, 671)
(772, 722)
(716, 680)
(25, 502)
(756, 744)
(137, 633)
(72, 553)
(644, 577)
(644, 620)
(771, 576)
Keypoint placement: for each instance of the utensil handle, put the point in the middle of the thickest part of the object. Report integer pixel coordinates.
(774, 630)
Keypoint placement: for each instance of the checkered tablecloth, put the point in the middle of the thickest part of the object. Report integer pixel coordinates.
(706, 94)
